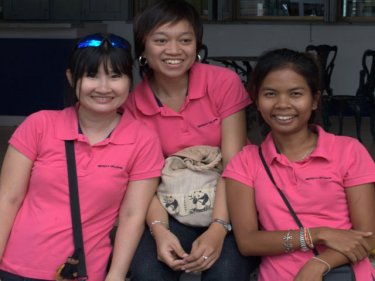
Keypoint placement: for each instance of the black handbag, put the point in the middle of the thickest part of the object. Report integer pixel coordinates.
(341, 273)
(75, 266)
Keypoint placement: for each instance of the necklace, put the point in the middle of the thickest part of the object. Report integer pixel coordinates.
(307, 154)
(96, 134)
(309, 151)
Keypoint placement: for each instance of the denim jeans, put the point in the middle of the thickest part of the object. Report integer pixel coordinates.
(7, 276)
(231, 265)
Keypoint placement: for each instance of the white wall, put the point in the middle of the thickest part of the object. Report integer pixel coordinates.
(252, 39)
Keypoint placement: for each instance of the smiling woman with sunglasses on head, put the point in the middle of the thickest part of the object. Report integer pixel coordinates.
(118, 162)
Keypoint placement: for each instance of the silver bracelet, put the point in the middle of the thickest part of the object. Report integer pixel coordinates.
(158, 222)
(287, 242)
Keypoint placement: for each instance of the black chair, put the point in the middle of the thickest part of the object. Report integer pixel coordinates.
(243, 66)
(326, 56)
(363, 101)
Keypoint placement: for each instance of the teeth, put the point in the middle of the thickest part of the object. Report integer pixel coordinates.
(103, 98)
(284, 118)
(173, 61)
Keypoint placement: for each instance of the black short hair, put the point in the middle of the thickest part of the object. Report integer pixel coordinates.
(159, 13)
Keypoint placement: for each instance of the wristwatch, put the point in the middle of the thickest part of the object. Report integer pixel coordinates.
(226, 225)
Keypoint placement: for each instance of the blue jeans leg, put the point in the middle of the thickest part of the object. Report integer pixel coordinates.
(145, 265)
(230, 266)
(7, 276)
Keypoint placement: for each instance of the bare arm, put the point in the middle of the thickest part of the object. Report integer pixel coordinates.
(243, 214)
(343, 245)
(130, 225)
(251, 241)
(353, 245)
(169, 249)
(156, 212)
(14, 179)
(361, 201)
(233, 139)
(346, 246)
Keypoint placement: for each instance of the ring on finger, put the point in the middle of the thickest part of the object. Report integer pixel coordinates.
(205, 257)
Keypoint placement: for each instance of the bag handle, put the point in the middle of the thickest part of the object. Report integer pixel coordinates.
(79, 252)
(286, 201)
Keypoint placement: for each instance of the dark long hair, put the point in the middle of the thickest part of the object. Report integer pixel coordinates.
(305, 64)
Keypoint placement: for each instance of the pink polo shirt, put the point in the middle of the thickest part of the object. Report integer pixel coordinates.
(214, 94)
(314, 187)
(41, 238)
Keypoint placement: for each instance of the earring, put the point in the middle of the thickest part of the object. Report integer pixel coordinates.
(199, 57)
(142, 60)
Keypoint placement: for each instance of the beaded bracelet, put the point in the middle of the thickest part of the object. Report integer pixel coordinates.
(308, 238)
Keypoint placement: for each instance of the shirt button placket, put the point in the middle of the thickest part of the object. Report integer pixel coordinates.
(184, 125)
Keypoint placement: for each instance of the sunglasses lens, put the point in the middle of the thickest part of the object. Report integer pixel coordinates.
(119, 42)
(89, 43)
(93, 40)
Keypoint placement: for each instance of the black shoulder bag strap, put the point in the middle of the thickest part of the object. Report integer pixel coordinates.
(79, 252)
(294, 215)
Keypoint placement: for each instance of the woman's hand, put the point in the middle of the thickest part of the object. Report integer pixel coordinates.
(206, 249)
(169, 249)
(351, 243)
(313, 270)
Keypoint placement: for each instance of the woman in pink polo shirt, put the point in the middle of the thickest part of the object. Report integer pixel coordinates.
(328, 180)
(187, 103)
(118, 163)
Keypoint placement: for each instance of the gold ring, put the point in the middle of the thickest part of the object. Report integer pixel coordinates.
(205, 257)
